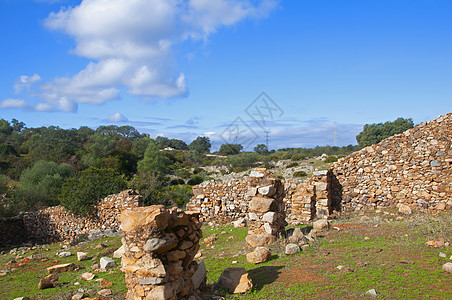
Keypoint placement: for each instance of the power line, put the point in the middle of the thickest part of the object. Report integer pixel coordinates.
(267, 132)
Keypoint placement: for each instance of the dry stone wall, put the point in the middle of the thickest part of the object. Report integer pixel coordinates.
(413, 168)
(56, 223)
(159, 247)
(266, 217)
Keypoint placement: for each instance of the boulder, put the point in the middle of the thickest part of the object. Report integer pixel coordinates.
(257, 240)
(49, 281)
(320, 225)
(119, 253)
(235, 280)
(260, 255)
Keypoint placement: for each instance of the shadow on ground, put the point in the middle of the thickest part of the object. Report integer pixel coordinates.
(264, 275)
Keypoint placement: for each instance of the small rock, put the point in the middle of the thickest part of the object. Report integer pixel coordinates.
(64, 254)
(107, 262)
(405, 209)
(100, 246)
(372, 293)
(95, 267)
(199, 276)
(442, 255)
(438, 243)
(447, 267)
(239, 223)
(88, 276)
(104, 292)
(77, 296)
(48, 282)
(407, 262)
(22, 298)
(366, 238)
(61, 268)
(82, 256)
(104, 283)
(292, 249)
(305, 247)
(234, 262)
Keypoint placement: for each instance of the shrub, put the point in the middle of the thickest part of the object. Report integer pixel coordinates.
(43, 181)
(81, 193)
(294, 164)
(195, 179)
(180, 194)
(331, 159)
(299, 174)
(298, 157)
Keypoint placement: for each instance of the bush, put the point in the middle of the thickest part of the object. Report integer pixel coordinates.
(151, 186)
(180, 194)
(291, 165)
(81, 193)
(43, 181)
(299, 174)
(298, 157)
(195, 179)
(331, 159)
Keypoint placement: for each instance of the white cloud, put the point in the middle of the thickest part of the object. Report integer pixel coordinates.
(130, 43)
(13, 103)
(25, 81)
(117, 118)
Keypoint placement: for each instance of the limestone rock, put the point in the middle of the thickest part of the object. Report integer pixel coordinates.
(82, 256)
(438, 243)
(292, 249)
(49, 281)
(161, 245)
(261, 204)
(257, 240)
(155, 216)
(405, 209)
(268, 190)
(119, 253)
(241, 222)
(320, 225)
(269, 217)
(447, 267)
(107, 263)
(88, 276)
(64, 254)
(61, 268)
(235, 280)
(260, 255)
(199, 276)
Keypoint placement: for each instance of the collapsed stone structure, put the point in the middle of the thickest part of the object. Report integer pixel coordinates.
(266, 217)
(412, 168)
(56, 223)
(159, 247)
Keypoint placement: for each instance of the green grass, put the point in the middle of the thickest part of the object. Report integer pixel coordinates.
(373, 263)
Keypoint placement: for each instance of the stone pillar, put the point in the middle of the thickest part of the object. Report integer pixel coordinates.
(321, 181)
(159, 247)
(266, 208)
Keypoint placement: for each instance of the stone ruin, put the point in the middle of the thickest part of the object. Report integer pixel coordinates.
(266, 209)
(159, 247)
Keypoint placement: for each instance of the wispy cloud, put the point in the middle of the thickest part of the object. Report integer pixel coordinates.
(117, 118)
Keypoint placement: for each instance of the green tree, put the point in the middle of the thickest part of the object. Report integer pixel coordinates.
(261, 149)
(154, 161)
(81, 193)
(43, 181)
(375, 133)
(201, 145)
(230, 149)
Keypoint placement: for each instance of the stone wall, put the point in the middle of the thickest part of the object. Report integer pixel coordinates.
(413, 168)
(56, 223)
(159, 247)
(266, 217)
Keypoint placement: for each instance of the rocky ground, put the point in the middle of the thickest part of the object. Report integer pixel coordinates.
(379, 254)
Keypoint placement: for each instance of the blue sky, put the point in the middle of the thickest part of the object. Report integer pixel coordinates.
(199, 67)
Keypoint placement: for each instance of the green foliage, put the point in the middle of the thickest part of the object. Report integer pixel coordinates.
(154, 161)
(180, 194)
(195, 179)
(375, 133)
(298, 156)
(299, 174)
(330, 159)
(79, 194)
(201, 145)
(261, 149)
(294, 164)
(243, 160)
(43, 181)
(230, 149)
